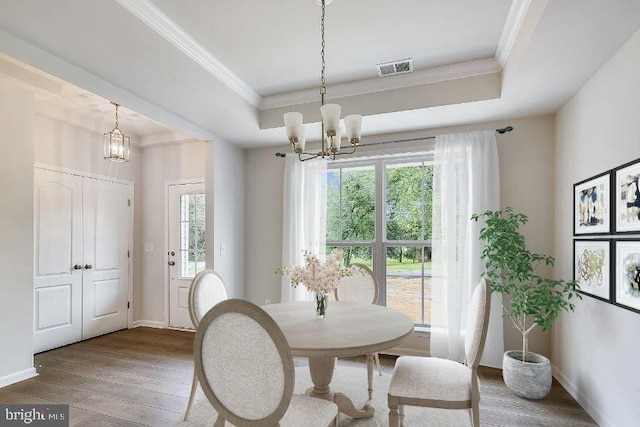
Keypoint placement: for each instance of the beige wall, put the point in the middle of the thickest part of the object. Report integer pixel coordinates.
(526, 180)
(159, 165)
(595, 349)
(16, 231)
(227, 197)
(64, 145)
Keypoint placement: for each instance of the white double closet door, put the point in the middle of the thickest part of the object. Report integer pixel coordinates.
(82, 229)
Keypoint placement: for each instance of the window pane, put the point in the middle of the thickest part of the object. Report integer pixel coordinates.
(192, 206)
(333, 204)
(408, 204)
(351, 203)
(409, 282)
(200, 207)
(355, 254)
(192, 234)
(193, 238)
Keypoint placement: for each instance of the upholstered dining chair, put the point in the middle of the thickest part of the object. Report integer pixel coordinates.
(207, 289)
(443, 383)
(245, 368)
(361, 288)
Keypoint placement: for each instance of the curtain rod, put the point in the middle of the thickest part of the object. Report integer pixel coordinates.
(422, 138)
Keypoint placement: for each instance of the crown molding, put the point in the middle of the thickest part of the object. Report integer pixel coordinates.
(361, 87)
(510, 31)
(155, 19)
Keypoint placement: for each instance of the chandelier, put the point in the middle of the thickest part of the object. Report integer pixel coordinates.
(331, 133)
(116, 144)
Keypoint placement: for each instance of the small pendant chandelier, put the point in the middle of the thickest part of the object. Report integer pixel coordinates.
(116, 144)
(331, 133)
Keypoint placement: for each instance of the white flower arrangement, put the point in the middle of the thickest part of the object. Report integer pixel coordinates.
(319, 277)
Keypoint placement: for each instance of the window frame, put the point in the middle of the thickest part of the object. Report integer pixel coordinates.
(380, 243)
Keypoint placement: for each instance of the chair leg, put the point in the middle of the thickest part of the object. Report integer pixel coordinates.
(194, 386)
(370, 374)
(220, 422)
(394, 416)
(378, 363)
(475, 415)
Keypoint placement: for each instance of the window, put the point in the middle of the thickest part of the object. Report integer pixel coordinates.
(192, 234)
(379, 214)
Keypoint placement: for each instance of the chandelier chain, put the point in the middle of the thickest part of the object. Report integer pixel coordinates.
(330, 130)
(116, 115)
(323, 87)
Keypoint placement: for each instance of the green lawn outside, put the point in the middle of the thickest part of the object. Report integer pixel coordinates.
(393, 265)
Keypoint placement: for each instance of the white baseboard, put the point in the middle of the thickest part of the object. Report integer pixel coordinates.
(148, 324)
(597, 414)
(17, 377)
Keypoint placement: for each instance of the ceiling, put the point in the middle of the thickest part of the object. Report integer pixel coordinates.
(230, 69)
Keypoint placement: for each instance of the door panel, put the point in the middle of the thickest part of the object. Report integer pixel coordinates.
(58, 238)
(106, 231)
(186, 247)
(53, 306)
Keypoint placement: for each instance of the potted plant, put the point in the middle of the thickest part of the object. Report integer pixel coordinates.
(534, 300)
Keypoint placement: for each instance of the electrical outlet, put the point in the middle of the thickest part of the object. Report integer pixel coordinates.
(267, 301)
(148, 247)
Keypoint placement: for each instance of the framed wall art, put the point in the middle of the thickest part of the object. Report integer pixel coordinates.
(627, 288)
(592, 205)
(592, 260)
(627, 197)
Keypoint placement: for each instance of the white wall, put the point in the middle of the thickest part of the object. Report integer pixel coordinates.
(159, 165)
(227, 196)
(595, 349)
(16, 233)
(61, 144)
(526, 181)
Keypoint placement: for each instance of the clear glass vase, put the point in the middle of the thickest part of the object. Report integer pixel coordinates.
(322, 301)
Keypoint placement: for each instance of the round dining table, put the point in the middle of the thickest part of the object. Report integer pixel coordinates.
(348, 329)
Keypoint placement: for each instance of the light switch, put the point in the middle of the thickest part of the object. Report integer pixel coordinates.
(148, 247)
(223, 249)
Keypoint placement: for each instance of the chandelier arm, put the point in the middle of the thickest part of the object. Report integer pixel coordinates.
(340, 153)
(310, 156)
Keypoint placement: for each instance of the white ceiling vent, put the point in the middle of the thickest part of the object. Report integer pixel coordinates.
(396, 67)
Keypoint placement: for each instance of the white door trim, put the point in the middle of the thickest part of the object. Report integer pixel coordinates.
(165, 256)
(131, 185)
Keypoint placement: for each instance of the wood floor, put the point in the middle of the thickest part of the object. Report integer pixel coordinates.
(142, 376)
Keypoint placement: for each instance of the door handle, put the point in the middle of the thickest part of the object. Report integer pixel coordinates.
(172, 263)
(77, 267)
(88, 266)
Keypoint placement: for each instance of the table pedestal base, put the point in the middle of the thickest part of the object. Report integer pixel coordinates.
(321, 370)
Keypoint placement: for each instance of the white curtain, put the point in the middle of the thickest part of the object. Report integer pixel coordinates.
(304, 217)
(466, 181)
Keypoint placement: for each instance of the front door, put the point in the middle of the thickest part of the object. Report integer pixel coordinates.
(186, 247)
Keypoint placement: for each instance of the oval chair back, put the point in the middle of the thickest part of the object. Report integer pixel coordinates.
(358, 287)
(244, 364)
(207, 289)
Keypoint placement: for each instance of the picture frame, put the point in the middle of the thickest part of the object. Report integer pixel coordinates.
(592, 267)
(592, 205)
(626, 193)
(627, 282)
